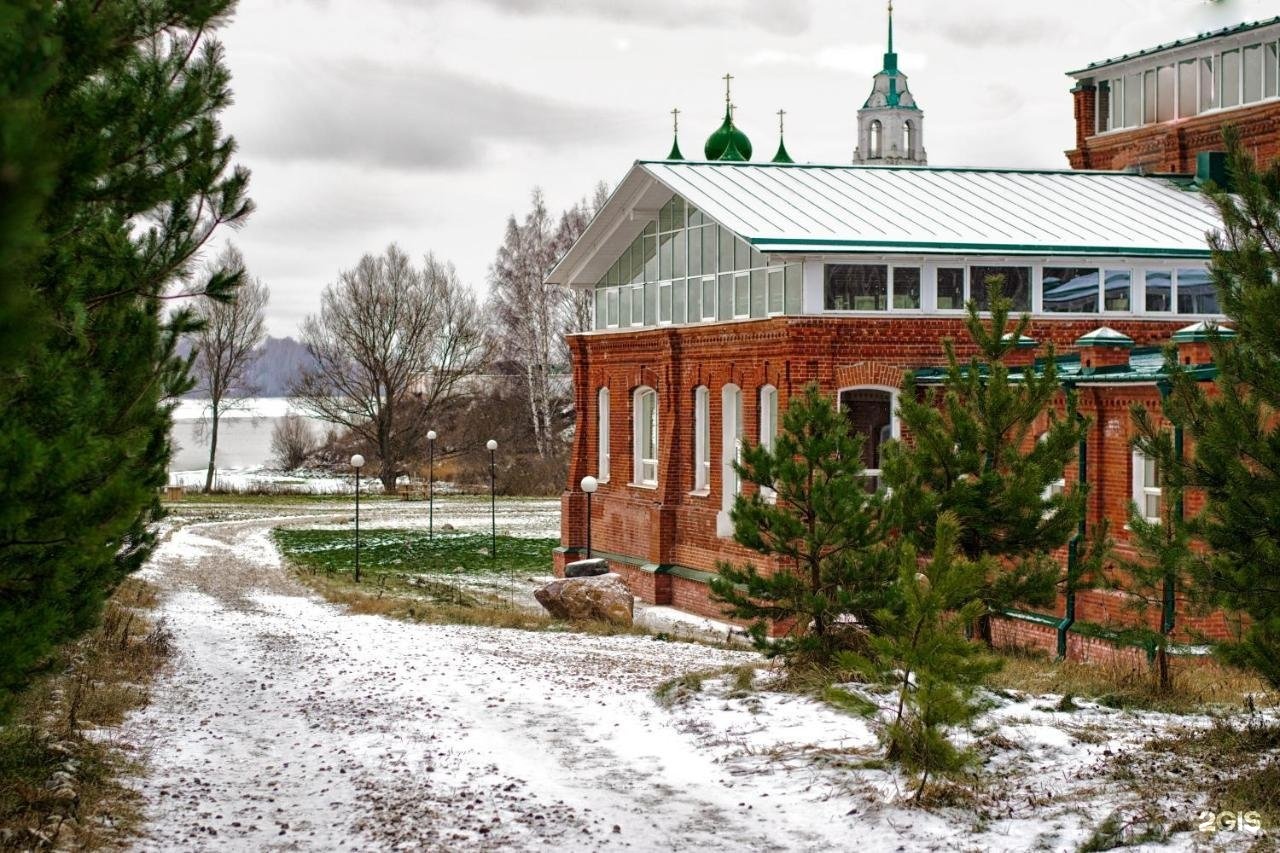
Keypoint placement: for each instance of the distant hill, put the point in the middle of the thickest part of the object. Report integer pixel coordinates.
(277, 363)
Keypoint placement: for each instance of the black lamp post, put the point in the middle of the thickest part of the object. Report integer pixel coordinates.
(589, 485)
(493, 499)
(431, 484)
(357, 462)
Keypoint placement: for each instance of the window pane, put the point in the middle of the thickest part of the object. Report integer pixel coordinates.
(677, 256)
(776, 291)
(726, 250)
(856, 287)
(598, 298)
(637, 304)
(624, 306)
(1016, 286)
(664, 216)
(1195, 292)
(757, 259)
(1253, 74)
(1151, 508)
(1117, 103)
(677, 301)
(1164, 93)
(1149, 97)
(1208, 88)
(950, 288)
(1132, 100)
(613, 306)
(677, 213)
(795, 288)
(1270, 68)
(665, 249)
(650, 258)
(741, 255)
(695, 216)
(1150, 473)
(724, 297)
(906, 287)
(664, 303)
(695, 251)
(695, 300)
(708, 250)
(1187, 88)
(758, 294)
(650, 303)
(708, 299)
(1159, 290)
(635, 274)
(1116, 297)
(870, 416)
(1070, 289)
(1229, 95)
(741, 296)
(1103, 107)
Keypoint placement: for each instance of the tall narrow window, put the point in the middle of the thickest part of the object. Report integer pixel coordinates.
(1187, 100)
(1059, 485)
(871, 415)
(730, 452)
(908, 139)
(768, 428)
(602, 435)
(950, 288)
(1208, 86)
(1102, 122)
(701, 439)
(877, 131)
(1147, 490)
(645, 437)
(1229, 79)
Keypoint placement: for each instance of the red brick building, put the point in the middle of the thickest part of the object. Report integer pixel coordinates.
(1156, 109)
(723, 287)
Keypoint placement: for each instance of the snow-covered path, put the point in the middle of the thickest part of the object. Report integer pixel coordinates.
(290, 724)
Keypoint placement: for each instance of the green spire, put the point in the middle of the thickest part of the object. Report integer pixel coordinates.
(890, 58)
(782, 156)
(675, 136)
(718, 143)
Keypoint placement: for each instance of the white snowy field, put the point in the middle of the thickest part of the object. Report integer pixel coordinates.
(290, 724)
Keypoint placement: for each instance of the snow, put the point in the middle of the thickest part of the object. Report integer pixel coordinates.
(193, 408)
(288, 723)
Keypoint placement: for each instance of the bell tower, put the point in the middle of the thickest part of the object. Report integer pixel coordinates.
(890, 125)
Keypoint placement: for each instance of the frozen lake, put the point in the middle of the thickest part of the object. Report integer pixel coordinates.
(244, 435)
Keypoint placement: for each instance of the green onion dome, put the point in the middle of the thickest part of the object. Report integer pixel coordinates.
(719, 142)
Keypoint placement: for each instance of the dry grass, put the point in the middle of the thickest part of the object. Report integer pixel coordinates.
(1237, 762)
(59, 787)
(1197, 685)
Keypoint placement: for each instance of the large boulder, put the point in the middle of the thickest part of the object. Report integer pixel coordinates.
(604, 598)
(588, 568)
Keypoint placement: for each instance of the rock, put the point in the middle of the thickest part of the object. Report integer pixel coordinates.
(446, 528)
(603, 598)
(589, 568)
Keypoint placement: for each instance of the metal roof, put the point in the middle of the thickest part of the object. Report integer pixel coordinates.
(799, 208)
(1212, 34)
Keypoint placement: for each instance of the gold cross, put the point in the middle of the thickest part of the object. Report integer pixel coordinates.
(728, 78)
(675, 119)
(781, 113)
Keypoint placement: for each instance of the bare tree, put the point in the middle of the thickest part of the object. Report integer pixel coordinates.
(390, 344)
(292, 442)
(532, 316)
(230, 333)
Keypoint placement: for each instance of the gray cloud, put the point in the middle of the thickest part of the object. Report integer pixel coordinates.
(402, 117)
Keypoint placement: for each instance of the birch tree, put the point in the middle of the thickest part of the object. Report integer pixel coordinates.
(229, 335)
(390, 344)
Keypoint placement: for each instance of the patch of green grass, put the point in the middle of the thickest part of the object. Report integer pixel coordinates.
(270, 498)
(850, 703)
(412, 552)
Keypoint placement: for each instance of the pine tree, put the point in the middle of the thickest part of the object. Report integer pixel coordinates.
(922, 650)
(811, 510)
(1233, 430)
(972, 451)
(131, 180)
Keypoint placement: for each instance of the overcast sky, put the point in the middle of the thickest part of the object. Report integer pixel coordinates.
(427, 122)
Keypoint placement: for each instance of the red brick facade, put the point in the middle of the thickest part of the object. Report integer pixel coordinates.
(663, 539)
(1170, 146)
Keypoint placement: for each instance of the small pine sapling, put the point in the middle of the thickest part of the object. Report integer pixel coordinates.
(812, 513)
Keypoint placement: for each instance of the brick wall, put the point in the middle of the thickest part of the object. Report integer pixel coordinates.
(1170, 146)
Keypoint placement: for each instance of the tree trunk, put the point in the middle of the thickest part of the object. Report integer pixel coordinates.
(213, 450)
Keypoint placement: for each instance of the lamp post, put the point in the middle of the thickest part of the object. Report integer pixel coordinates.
(357, 462)
(589, 485)
(431, 484)
(493, 499)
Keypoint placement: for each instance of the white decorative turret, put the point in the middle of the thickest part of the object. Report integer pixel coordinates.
(890, 125)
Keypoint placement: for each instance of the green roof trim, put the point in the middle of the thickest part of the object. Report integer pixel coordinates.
(1202, 332)
(1179, 177)
(1205, 36)
(982, 248)
(1146, 366)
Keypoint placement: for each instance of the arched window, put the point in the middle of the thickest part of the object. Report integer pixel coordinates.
(873, 414)
(645, 436)
(701, 439)
(730, 452)
(602, 435)
(908, 139)
(768, 428)
(877, 132)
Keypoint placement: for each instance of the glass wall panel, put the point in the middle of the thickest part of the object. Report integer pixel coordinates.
(677, 301)
(1187, 100)
(724, 297)
(1229, 91)
(1149, 97)
(1116, 290)
(1270, 69)
(613, 307)
(709, 299)
(1015, 285)
(1103, 107)
(856, 287)
(664, 302)
(1164, 93)
(1132, 100)
(950, 288)
(695, 251)
(741, 255)
(1117, 103)
(708, 249)
(665, 249)
(677, 255)
(759, 297)
(1069, 289)
(1196, 294)
(795, 288)
(1253, 73)
(695, 300)
(650, 304)
(726, 250)
(1208, 86)
(1159, 288)
(777, 294)
(906, 287)
(624, 306)
(741, 295)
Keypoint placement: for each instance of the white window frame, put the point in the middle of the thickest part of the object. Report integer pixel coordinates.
(602, 435)
(1059, 485)
(731, 434)
(768, 430)
(1142, 491)
(895, 423)
(702, 440)
(708, 306)
(642, 429)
